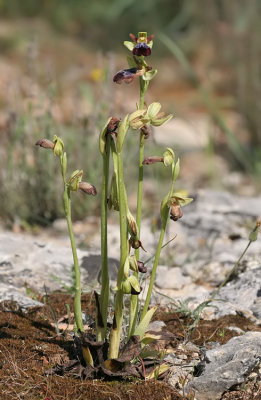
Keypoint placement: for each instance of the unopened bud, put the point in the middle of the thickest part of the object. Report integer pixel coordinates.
(152, 160)
(175, 212)
(45, 143)
(253, 235)
(58, 146)
(88, 188)
(132, 225)
(168, 157)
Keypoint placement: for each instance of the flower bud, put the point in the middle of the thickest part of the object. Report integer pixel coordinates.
(253, 235)
(58, 146)
(132, 225)
(87, 188)
(45, 143)
(75, 180)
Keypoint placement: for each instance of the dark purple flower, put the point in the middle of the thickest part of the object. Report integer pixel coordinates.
(141, 267)
(126, 75)
(141, 49)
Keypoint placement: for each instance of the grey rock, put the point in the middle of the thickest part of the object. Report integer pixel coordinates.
(171, 278)
(241, 294)
(227, 365)
(9, 294)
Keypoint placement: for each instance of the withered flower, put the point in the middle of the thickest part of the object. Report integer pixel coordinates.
(135, 243)
(146, 131)
(45, 143)
(175, 212)
(88, 188)
(152, 160)
(141, 267)
(126, 75)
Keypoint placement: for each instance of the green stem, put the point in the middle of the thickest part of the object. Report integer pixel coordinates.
(118, 315)
(67, 210)
(154, 269)
(134, 305)
(104, 297)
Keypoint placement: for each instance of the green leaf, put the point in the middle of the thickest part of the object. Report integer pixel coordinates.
(143, 325)
(87, 356)
(123, 129)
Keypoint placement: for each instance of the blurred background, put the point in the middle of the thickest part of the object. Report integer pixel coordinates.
(57, 60)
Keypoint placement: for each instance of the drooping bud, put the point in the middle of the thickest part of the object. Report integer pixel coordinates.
(58, 146)
(152, 160)
(87, 188)
(75, 180)
(45, 143)
(126, 286)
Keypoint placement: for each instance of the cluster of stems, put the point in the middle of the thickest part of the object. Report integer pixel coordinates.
(112, 139)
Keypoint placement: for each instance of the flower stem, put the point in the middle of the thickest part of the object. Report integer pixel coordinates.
(154, 269)
(118, 315)
(77, 294)
(104, 297)
(134, 299)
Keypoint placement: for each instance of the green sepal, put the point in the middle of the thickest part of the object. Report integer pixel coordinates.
(143, 325)
(153, 110)
(161, 121)
(168, 157)
(126, 268)
(164, 208)
(149, 75)
(102, 138)
(58, 146)
(75, 179)
(126, 286)
(133, 263)
(179, 198)
(130, 45)
(123, 129)
(132, 224)
(134, 283)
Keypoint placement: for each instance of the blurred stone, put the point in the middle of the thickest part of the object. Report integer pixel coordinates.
(226, 366)
(171, 278)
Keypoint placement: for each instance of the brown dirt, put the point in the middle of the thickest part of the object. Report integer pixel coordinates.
(29, 345)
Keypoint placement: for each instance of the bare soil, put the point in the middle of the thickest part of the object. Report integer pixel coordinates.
(29, 345)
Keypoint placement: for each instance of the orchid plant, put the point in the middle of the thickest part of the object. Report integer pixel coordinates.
(111, 143)
(114, 196)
